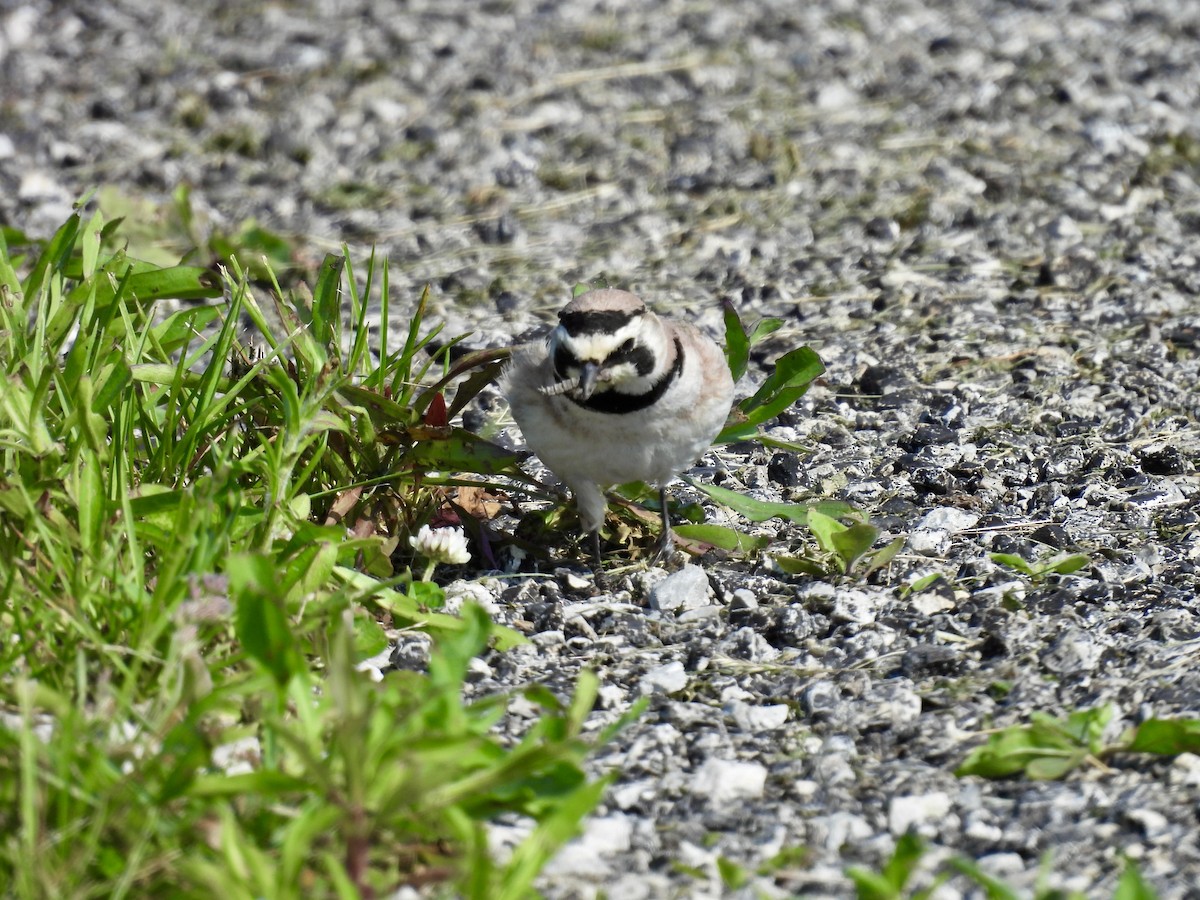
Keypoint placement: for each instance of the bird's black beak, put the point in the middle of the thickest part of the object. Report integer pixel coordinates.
(587, 380)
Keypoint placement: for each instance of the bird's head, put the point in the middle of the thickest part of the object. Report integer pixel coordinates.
(606, 341)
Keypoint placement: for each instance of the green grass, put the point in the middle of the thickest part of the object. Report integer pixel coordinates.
(199, 542)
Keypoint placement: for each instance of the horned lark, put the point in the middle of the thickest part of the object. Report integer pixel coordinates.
(618, 394)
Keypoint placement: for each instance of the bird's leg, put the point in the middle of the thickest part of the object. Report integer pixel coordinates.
(599, 579)
(595, 541)
(666, 544)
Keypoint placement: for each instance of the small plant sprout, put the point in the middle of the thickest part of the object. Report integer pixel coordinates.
(440, 545)
(1061, 564)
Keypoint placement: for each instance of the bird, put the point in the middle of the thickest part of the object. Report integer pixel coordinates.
(617, 394)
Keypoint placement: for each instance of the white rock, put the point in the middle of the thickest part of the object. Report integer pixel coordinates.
(699, 614)
(753, 718)
(946, 518)
(1185, 770)
(666, 679)
(459, 592)
(584, 856)
(686, 589)
(238, 757)
(853, 606)
(1064, 229)
(836, 830)
(1002, 865)
(916, 809)
(928, 603)
(632, 793)
(929, 542)
(1153, 823)
(725, 781)
(37, 185)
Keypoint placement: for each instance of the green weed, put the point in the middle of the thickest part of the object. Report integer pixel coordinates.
(200, 541)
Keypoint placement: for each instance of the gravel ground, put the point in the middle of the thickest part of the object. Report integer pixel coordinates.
(984, 217)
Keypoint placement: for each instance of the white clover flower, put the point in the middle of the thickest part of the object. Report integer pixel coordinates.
(442, 545)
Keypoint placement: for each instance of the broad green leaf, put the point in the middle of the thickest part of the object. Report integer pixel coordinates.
(924, 582)
(1013, 561)
(89, 244)
(723, 537)
(327, 303)
(905, 858)
(552, 831)
(854, 541)
(793, 373)
(264, 783)
(384, 411)
(732, 875)
(145, 283)
(737, 344)
(261, 624)
(1051, 768)
(799, 565)
(762, 510)
(369, 637)
(1065, 565)
(8, 273)
(53, 258)
(870, 885)
(994, 887)
(90, 501)
(1132, 886)
(763, 328)
(824, 528)
(1087, 725)
(460, 451)
(427, 594)
(1166, 737)
(183, 327)
(884, 555)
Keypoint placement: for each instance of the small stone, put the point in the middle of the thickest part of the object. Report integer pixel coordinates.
(1002, 865)
(602, 836)
(836, 830)
(910, 810)
(666, 679)
(462, 590)
(1074, 651)
(949, 519)
(783, 469)
(929, 543)
(699, 614)
(725, 781)
(1165, 493)
(686, 589)
(883, 228)
(820, 697)
(411, 652)
(1185, 770)
(752, 718)
(930, 603)
(551, 638)
(855, 607)
(1162, 459)
(1064, 229)
(747, 644)
(628, 795)
(743, 599)
(1152, 823)
(790, 626)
